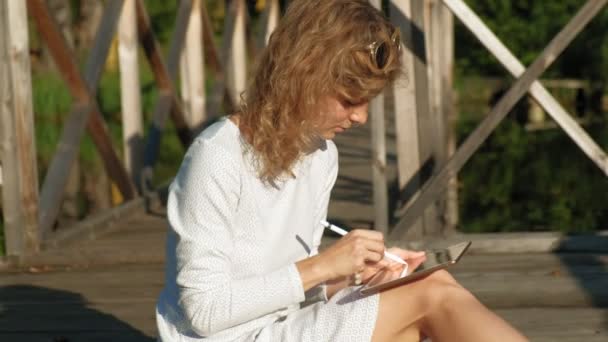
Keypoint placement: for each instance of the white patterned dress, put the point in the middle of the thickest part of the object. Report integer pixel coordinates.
(233, 243)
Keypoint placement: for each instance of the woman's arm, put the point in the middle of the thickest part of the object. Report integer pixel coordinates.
(334, 266)
(201, 206)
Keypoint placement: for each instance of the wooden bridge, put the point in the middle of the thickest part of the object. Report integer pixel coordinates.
(98, 280)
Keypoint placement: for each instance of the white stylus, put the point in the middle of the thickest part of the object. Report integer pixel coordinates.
(343, 232)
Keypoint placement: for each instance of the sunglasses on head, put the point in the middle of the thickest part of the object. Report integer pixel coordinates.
(380, 50)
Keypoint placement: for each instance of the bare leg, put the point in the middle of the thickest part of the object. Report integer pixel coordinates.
(440, 308)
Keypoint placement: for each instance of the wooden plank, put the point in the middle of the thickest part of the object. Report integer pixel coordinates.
(496, 289)
(212, 58)
(429, 124)
(435, 41)
(95, 63)
(559, 324)
(540, 93)
(434, 186)
(20, 191)
(378, 162)
(406, 119)
(132, 119)
(236, 73)
(450, 113)
(84, 112)
(96, 225)
(428, 159)
(193, 71)
(184, 83)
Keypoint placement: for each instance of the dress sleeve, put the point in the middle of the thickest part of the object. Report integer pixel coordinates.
(323, 203)
(201, 206)
(319, 292)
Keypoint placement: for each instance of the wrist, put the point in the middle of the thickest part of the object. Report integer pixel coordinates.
(313, 271)
(322, 267)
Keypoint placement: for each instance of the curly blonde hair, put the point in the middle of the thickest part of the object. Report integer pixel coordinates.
(320, 48)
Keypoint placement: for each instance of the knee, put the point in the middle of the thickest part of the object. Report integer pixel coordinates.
(442, 276)
(442, 292)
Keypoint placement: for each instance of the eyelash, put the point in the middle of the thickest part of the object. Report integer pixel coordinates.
(347, 103)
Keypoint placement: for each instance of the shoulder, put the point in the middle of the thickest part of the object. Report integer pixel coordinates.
(222, 135)
(216, 150)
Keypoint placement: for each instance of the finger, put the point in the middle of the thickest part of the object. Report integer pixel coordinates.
(369, 234)
(383, 263)
(374, 257)
(406, 254)
(363, 244)
(417, 262)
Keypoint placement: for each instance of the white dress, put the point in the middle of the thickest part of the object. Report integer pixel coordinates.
(233, 243)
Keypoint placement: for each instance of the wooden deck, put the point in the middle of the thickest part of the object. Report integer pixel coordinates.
(105, 289)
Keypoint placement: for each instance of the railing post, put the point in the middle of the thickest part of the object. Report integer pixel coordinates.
(133, 131)
(192, 70)
(450, 112)
(438, 38)
(379, 158)
(237, 70)
(20, 185)
(406, 118)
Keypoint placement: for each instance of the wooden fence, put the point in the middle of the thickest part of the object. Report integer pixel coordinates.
(423, 108)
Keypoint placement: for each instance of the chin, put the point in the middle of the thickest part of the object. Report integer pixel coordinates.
(329, 135)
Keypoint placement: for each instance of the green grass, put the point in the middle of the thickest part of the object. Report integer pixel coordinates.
(52, 103)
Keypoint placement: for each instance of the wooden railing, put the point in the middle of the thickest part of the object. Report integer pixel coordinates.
(29, 215)
(423, 107)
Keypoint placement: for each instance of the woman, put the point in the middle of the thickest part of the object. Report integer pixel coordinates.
(246, 205)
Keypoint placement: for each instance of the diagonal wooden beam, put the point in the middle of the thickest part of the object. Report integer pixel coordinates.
(211, 55)
(540, 93)
(164, 75)
(84, 111)
(436, 184)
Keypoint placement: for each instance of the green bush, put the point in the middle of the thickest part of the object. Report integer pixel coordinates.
(531, 181)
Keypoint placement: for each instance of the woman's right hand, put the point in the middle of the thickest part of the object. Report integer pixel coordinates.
(352, 253)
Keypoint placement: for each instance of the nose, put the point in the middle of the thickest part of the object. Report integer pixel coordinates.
(359, 114)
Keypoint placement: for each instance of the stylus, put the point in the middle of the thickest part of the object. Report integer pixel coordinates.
(343, 232)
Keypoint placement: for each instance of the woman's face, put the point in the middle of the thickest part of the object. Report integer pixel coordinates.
(338, 116)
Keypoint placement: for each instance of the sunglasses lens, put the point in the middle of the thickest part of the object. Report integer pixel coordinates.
(382, 55)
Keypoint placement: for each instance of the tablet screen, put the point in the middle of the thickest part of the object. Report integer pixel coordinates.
(435, 259)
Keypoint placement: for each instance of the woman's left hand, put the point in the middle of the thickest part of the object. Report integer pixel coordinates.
(413, 258)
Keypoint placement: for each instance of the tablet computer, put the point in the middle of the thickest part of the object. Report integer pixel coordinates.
(436, 259)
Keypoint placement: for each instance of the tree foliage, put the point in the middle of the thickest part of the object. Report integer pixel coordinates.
(521, 180)
(526, 27)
